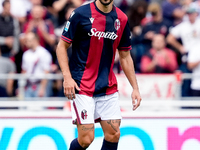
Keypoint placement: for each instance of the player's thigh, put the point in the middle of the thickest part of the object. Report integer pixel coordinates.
(107, 107)
(108, 113)
(111, 129)
(85, 133)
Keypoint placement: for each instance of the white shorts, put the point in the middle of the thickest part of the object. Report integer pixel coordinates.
(89, 110)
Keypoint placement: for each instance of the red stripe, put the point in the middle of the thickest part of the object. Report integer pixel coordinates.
(111, 78)
(97, 120)
(78, 119)
(125, 48)
(66, 39)
(90, 74)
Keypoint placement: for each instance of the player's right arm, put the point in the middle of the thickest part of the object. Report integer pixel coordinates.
(68, 35)
(69, 84)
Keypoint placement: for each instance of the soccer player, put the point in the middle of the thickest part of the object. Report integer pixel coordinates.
(96, 30)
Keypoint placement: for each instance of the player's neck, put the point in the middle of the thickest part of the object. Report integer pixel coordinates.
(105, 9)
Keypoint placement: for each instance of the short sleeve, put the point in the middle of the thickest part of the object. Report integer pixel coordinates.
(125, 42)
(71, 27)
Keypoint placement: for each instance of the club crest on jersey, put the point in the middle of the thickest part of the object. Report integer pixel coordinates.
(117, 24)
(84, 114)
(67, 26)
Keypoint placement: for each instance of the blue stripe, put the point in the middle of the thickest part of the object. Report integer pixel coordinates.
(80, 46)
(106, 58)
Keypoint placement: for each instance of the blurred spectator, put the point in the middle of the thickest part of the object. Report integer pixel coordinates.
(159, 59)
(60, 7)
(136, 14)
(37, 61)
(194, 65)
(172, 11)
(9, 31)
(7, 67)
(197, 2)
(157, 25)
(58, 30)
(123, 4)
(43, 28)
(18, 9)
(49, 5)
(189, 33)
(48, 11)
(186, 4)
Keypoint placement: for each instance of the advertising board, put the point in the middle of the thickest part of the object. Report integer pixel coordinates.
(56, 133)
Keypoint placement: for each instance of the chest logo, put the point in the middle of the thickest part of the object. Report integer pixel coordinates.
(117, 24)
(100, 34)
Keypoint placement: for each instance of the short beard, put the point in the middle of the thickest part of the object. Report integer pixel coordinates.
(105, 4)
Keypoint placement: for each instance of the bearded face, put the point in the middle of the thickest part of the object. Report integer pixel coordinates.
(106, 2)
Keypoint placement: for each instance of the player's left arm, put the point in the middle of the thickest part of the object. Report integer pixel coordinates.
(127, 64)
(128, 68)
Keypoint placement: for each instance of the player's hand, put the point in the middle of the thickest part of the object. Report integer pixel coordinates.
(136, 99)
(69, 88)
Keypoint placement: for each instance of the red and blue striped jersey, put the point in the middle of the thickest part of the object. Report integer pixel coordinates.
(95, 37)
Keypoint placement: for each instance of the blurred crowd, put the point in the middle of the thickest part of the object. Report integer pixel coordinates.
(165, 39)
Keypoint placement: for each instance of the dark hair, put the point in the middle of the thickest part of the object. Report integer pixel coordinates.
(4, 2)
